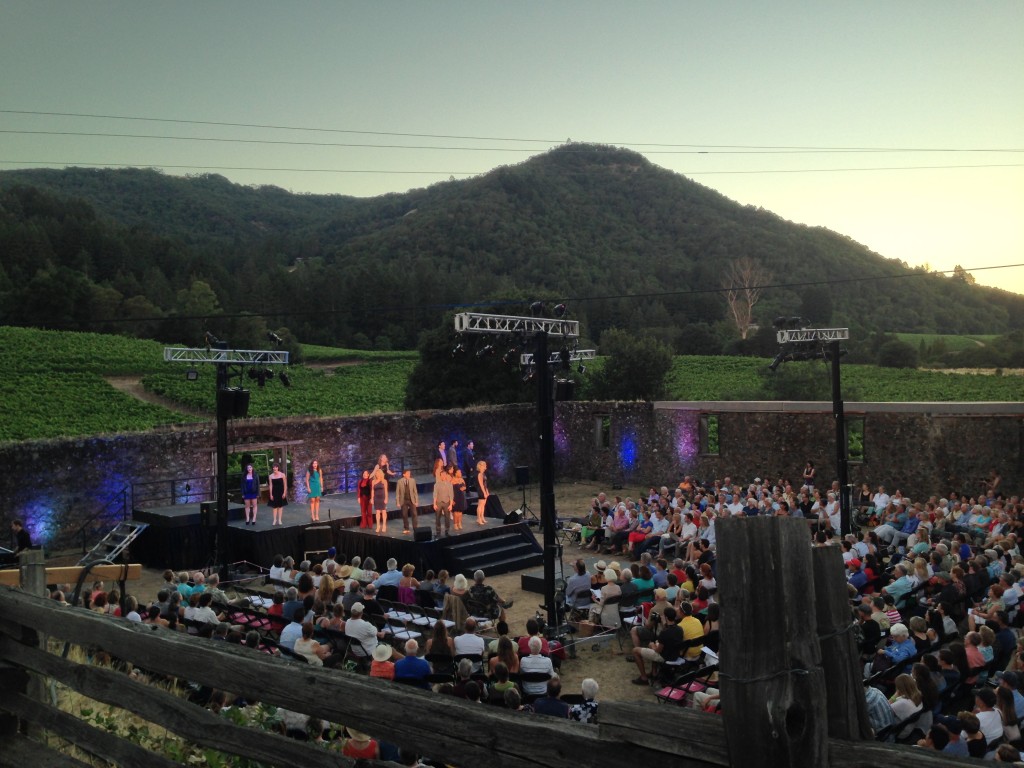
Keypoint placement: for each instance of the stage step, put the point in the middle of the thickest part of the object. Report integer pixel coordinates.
(510, 550)
(114, 543)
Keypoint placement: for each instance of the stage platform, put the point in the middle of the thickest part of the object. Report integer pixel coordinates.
(176, 539)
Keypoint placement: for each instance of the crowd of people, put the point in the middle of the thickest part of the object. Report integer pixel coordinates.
(934, 586)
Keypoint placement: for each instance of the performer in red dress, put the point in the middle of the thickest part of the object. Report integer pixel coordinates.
(363, 489)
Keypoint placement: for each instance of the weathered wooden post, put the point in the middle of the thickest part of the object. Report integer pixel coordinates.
(772, 684)
(844, 681)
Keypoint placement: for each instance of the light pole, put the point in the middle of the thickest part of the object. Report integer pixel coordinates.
(540, 328)
(231, 403)
(799, 343)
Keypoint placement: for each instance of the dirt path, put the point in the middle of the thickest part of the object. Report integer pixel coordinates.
(132, 385)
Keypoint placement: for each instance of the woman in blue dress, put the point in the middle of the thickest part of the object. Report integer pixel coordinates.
(250, 493)
(314, 490)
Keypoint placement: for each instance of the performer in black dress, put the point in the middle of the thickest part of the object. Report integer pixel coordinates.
(379, 486)
(458, 494)
(278, 493)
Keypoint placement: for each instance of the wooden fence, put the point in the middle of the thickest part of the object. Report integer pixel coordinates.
(443, 727)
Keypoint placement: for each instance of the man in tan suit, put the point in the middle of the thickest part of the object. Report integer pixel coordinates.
(408, 500)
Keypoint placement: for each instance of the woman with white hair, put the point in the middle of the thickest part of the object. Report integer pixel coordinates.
(586, 711)
(602, 612)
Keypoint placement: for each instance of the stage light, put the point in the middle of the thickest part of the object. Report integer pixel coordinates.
(285, 378)
(261, 378)
(191, 374)
(254, 374)
(537, 308)
(270, 373)
(527, 374)
(274, 337)
(559, 310)
(458, 349)
(511, 356)
(779, 322)
(581, 368)
(485, 350)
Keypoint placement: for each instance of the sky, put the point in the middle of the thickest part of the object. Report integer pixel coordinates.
(762, 102)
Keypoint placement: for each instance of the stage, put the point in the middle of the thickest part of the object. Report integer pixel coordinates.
(177, 539)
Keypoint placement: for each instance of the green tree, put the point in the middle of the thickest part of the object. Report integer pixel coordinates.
(634, 369)
(446, 379)
(897, 354)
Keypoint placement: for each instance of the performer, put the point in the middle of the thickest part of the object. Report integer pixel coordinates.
(442, 454)
(469, 466)
(458, 494)
(250, 493)
(382, 463)
(314, 489)
(481, 489)
(408, 500)
(278, 493)
(453, 454)
(20, 536)
(379, 485)
(363, 491)
(442, 499)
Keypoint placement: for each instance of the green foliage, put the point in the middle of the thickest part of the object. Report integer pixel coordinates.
(897, 354)
(313, 353)
(634, 368)
(346, 391)
(138, 251)
(443, 379)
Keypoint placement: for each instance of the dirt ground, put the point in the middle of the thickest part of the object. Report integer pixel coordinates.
(606, 663)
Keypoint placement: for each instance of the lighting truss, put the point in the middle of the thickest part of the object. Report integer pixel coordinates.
(474, 322)
(791, 336)
(556, 357)
(231, 356)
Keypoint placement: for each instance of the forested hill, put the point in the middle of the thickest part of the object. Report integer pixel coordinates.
(86, 248)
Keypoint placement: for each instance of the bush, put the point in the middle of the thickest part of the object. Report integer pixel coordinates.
(897, 354)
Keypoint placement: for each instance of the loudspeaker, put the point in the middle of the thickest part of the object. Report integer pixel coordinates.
(317, 538)
(422, 533)
(208, 517)
(522, 475)
(233, 402)
(565, 389)
(513, 517)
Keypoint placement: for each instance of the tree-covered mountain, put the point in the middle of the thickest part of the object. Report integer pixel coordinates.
(632, 245)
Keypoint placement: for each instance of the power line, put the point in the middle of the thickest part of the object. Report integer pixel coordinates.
(265, 126)
(479, 173)
(520, 302)
(420, 147)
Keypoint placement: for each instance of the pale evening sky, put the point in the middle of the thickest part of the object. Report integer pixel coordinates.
(943, 82)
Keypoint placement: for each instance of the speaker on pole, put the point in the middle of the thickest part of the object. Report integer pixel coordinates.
(522, 475)
(233, 402)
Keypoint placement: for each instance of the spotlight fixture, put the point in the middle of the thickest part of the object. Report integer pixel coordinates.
(274, 337)
(285, 378)
(559, 310)
(581, 368)
(485, 350)
(527, 374)
(269, 373)
(191, 374)
(510, 357)
(458, 349)
(537, 308)
(254, 374)
(261, 378)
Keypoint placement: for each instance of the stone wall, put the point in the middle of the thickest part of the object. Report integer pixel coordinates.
(55, 485)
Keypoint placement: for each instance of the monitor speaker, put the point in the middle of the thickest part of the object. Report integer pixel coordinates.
(317, 538)
(208, 514)
(422, 533)
(513, 517)
(522, 475)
